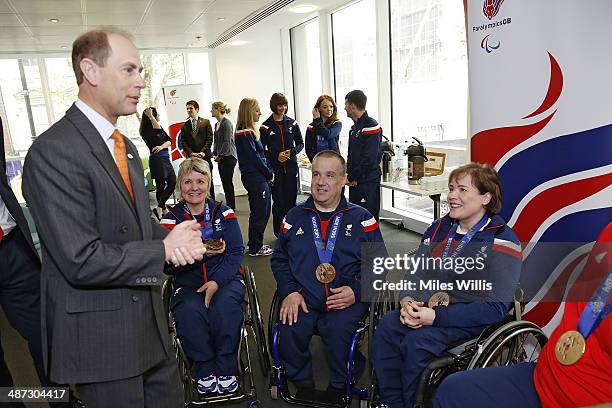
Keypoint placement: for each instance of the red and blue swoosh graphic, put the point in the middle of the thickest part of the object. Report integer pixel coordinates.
(556, 197)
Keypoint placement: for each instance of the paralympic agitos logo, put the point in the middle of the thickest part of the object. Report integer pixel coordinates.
(490, 8)
(488, 47)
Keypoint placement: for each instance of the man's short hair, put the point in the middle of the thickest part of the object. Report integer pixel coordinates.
(276, 99)
(93, 45)
(194, 104)
(358, 98)
(332, 154)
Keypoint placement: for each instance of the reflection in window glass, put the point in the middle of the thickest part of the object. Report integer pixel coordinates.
(355, 59)
(16, 120)
(306, 60)
(62, 84)
(429, 60)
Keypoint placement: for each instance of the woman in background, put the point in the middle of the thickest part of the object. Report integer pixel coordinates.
(224, 150)
(162, 173)
(324, 131)
(255, 174)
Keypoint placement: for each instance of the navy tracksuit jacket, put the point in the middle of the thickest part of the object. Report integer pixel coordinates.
(255, 176)
(276, 138)
(399, 353)
(294, 263)
(363, 163)
(319, 137)
(210, 337)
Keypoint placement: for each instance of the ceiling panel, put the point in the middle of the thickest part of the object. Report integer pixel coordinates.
(54, 8)
(117, 6)
(123, 19)
(42, 19)
(56, 30)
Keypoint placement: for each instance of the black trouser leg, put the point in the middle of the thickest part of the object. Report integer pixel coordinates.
(226, 172)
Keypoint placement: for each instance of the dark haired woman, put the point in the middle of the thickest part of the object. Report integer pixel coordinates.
(162, 173)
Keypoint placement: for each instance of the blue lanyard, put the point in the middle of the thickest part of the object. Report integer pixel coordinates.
(598, 308)
(325, 252)
(466, 238)
(206, 230)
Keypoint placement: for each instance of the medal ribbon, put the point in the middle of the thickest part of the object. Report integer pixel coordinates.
(206, 228)
(325, 252)
(466, 238)
(598, 308)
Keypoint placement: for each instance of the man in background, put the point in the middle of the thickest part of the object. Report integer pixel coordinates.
(364, 154)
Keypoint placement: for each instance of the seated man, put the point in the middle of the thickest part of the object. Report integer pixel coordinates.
(472, 261)
(317, 265)
(573, 369)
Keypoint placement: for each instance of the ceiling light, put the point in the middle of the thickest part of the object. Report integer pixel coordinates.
(237, 43)
(305, 8)
(221, 19)
(54, 20)
(64, 47)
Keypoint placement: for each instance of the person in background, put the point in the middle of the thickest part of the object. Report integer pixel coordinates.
(282, 141)
(158, 141)
(364, 154)
(224, 150)
(197, 137)
(406, 340)
(254, 173)
(324, 131)
(208, 294)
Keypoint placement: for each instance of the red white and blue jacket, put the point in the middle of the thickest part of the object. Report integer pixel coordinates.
(276, 139)
(319, 137)
(251, 156)
(500, 248)
(364, 150)
(295, 257)
(222, 268)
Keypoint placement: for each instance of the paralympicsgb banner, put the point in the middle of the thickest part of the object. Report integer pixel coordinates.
(540, 75)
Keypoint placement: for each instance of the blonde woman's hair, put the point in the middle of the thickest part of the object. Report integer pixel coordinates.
(221, 106)
(245, 116)
(192, 164)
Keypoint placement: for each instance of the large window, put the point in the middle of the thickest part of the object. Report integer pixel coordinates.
(355, 58)
(429, 83)
(306, 62)
(62, 85)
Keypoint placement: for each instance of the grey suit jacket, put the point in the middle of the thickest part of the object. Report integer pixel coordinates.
(103, 258)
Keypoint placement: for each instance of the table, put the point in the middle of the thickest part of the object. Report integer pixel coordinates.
(416, 190)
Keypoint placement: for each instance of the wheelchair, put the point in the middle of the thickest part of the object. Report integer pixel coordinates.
(508, 342)
(278, 377)
(251, 328)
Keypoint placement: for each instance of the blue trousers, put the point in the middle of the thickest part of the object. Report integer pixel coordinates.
(367, 195)
(259, 205)
(336, 329)
(399, 355)
(284, 194)
(499, 387)
(210, 337)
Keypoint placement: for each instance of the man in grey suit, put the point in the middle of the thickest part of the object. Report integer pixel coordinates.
(103, 256)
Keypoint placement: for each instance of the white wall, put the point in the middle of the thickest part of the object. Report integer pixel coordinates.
(253, 70)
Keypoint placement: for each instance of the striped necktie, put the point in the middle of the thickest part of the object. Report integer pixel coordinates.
(121, 160)
(194, 127)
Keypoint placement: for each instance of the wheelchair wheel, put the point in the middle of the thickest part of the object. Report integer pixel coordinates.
(513, 343)
(184, 372)
(166, 296)
(257, 321)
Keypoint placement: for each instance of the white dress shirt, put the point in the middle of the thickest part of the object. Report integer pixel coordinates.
(102, 125)
(7, 223)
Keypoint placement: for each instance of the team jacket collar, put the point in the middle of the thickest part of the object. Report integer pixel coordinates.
(309, 205)
(361, 119)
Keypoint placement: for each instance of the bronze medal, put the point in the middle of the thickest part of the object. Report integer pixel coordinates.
(439, 299)
(325, 273)
(213, 244)
(570, 347)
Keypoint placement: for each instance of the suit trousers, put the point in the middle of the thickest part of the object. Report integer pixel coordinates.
(20, 300)
(284, 194)
(226, 172)
(158, 387)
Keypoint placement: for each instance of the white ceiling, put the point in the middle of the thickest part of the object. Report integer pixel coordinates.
(155, 24)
